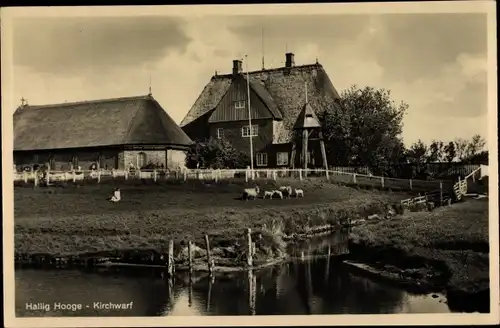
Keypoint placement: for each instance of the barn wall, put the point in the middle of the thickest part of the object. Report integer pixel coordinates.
(157, 157)
(62, 158)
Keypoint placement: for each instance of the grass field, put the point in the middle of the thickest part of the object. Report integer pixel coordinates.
(74, 220)
(453, 239)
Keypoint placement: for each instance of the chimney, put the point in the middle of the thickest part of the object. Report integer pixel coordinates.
(290, 62)
(237, 67)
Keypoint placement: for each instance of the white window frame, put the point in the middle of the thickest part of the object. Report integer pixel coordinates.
(261, 159)
(283, 160)
(220, 133)
(240, 104)
(145, 159)
(245, 131)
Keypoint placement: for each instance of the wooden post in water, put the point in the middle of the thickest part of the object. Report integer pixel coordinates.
(210, 262)
(190, 291)
(211, 281)
(190, 257)
(252, 291)
(441, 193)
(170, 258)
(327, 269)
(249, 248)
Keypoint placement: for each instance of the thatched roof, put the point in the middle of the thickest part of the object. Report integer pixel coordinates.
(285, 87)
(108, 122)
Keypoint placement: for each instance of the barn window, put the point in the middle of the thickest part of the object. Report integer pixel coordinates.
(100, 161)
(282, 158)
(74, 162)
(141, 160)
(52, 162)
(261, 159)
(220, 133)
(245, 131)
(240, 104)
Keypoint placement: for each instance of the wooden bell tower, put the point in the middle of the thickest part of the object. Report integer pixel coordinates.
(307, 128)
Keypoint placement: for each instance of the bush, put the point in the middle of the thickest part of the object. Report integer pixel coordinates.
(216, 154)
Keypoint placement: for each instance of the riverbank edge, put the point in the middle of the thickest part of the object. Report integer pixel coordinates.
(458, 297)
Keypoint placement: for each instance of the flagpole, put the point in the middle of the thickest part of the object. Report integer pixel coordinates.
(249, 119)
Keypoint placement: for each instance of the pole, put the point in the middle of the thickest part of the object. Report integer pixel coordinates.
(249, 118)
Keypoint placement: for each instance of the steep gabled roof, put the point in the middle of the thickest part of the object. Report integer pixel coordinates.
(266, 97)
(285, 87)
(307, 118)
(107, 122)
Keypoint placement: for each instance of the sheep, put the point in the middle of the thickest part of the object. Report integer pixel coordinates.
(268, 193)
(279, 193)
(299, 193)
(287, 191)
(250, 193)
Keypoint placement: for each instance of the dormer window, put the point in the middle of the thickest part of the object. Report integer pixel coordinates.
(240, 104)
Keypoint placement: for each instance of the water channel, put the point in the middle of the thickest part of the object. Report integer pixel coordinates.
(309, 284)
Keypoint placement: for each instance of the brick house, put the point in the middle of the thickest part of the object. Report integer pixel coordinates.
(110, 133)
(277, 97)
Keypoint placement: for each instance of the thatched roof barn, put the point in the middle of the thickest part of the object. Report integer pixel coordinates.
(96, 126)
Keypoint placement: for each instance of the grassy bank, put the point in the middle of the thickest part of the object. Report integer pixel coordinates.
(446, 248)
(74, 220)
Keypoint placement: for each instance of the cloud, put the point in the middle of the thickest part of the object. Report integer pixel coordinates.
(435, 63)
(70, 45)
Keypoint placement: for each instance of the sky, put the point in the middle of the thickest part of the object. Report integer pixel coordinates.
(437, 63)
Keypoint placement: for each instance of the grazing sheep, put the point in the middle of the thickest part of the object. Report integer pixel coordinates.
(250, 193)
(279, 193)
(268, 193)
(299, 193)
(287, 191)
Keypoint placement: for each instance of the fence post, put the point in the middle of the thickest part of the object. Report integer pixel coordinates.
(300, 174)
(48, 176)
(126, 174)
(170, 258)
(441, 192)
(354, 178)
(411, 185)
(36, 178)
(190, 256)
(382, 182)
(246, 175)
(185, 174)
(274, 175)
(327, 175)
(210, 262)
(25, 175)
(249, 247)
(154, 175)
(98, 175)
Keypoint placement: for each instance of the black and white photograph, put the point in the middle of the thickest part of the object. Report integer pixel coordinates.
(250, 164)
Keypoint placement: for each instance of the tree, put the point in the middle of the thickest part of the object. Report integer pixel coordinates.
(215, 154)
(475, 146)
(450, 152)
(435, 151)
(364, 129)
(461, 148)
(418, 153)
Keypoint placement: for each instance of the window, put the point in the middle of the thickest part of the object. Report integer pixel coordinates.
(141, 160)
(245, 131)
(100, 161)
(282, 158)
(240, 104)
(220, 133)
(261, 159)
(74, 162)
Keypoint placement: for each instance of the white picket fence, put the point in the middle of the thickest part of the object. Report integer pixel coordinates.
(228, 175)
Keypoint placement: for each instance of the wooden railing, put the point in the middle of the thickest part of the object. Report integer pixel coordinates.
(231, 174)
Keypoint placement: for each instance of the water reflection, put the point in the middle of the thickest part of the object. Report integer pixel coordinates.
(309, 286)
